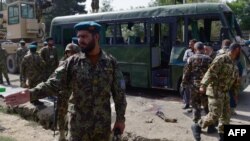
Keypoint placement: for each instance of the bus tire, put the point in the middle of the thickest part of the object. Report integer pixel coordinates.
(127, 79)
(11, 64)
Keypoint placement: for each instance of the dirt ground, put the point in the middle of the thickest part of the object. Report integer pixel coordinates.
(141, 122)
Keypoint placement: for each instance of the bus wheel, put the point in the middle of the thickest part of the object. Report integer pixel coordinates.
(11, 65)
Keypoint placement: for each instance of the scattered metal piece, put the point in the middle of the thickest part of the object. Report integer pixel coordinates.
(166, 119)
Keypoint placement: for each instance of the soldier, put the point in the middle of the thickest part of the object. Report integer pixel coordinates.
(209, 51)
(49, 55)
(62, 101)
(94, 76)
(32, 67)
(186, 91)
(20, 53)
(3, 66)
(224, 47)
(195, 69)
(221, 76)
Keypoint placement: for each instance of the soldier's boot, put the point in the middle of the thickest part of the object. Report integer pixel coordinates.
(196, 129)
(36, 102)
(211, 129)
(1, 79)
(221, 137)
(8, 82)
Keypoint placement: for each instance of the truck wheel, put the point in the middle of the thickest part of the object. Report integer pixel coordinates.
(11, 64)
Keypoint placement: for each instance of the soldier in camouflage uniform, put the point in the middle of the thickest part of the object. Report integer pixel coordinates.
(224, 47)
(210, 51)
(94, 76)
(32, 67)
(20, 53)
(49, 55)
(221, 76)
(195, 69)
(3, 66)
(62, 101)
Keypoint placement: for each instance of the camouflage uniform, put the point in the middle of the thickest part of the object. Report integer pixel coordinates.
(3, 66)
(32, 67)
(63, 97)
(220, 77)
(89, 111)
(20, 53)
(49, 55)
(194, 71)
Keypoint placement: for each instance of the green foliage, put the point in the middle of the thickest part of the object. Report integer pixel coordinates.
(106, 6)
(64, 8)
(241, 9)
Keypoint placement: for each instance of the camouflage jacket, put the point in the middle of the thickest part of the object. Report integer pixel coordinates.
(49, 55)
(3, 56)
(20, 53)
(221, 76)
(195, 69)
(92, 86)
(32, 68)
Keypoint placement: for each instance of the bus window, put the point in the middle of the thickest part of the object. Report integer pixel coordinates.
(180, 32)
(109, 34)
(56, 34)
(131, 33)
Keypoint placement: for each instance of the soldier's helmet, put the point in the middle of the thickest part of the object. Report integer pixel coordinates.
(72, 47)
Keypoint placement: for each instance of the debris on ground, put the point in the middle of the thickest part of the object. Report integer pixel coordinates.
(166, 119)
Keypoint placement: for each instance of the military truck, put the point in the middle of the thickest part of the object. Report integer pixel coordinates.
(22, 20)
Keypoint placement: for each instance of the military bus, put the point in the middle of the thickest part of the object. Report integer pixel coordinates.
(149, 43)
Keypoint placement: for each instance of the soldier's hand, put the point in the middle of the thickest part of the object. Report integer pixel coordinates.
(202, 90)
(17, 98)
(119, 125)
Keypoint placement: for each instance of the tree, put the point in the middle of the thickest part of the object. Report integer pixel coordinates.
(106, 6)
(241, 9)
(63, 8)
(95, 6)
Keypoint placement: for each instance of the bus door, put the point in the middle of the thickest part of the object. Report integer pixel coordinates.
(161, 44)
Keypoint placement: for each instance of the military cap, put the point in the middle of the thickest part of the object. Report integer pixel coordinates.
(32, 46)
(34, 43)
(75, 40)
(22, 41)
(49, 38)
(72, 47)
(90, 26)
(45, 43)
(234, 46)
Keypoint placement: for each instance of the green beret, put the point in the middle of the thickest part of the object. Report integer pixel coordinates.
(90, 26)
(32, 46)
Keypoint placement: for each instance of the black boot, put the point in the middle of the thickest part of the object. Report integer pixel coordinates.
(8, 81)
(36, 102)
(186, 106)
(1, 79)
(221, 137)
(211, 129)
(196, 129)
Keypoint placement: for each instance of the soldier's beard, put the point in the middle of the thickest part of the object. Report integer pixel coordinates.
(89, 47)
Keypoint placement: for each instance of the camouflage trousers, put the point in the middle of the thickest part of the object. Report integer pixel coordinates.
(3, 70)
(198, 100)
(62, 105)
(219, 110)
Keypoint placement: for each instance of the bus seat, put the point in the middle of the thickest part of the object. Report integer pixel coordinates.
(156, 57)
(137, 40)
(109, 40)
(119, 40)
